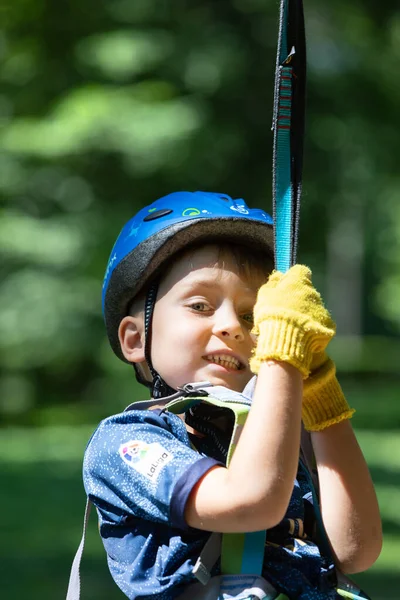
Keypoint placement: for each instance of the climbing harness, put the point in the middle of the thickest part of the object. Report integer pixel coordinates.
(241, 554)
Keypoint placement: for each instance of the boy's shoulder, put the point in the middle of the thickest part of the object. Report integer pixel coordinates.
(152, 421)
(133, 439)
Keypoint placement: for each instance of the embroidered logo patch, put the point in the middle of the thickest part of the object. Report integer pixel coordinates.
(147, 459)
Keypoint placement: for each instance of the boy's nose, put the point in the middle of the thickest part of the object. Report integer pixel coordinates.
(238, 336)
(229, 327)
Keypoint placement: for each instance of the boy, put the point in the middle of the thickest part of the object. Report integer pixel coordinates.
(178, 298)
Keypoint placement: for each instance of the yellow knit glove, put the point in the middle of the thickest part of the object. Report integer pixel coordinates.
(324, 403)
(290, 320)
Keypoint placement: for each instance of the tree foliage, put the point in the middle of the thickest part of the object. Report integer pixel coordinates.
(105, 106)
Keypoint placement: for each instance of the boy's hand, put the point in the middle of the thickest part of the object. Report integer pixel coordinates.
(290, 320)
(324, 403)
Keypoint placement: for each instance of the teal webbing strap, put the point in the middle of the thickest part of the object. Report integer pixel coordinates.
(283, 205)
(253, 553)
(288, 127)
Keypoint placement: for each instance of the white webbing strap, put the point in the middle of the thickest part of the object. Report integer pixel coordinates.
(74, 585)
(207, 559)
(202, 569)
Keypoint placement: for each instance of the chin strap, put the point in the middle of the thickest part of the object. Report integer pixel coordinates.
(158, 387)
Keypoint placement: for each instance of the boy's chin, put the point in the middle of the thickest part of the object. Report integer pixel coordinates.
(233, 381)
(236, 383)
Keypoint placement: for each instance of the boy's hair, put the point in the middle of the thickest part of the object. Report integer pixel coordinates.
(251, 265)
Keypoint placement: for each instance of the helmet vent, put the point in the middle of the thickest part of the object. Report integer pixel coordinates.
(158, 213)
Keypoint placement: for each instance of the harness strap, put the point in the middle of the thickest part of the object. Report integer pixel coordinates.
(207, 559)
(243, 553)
(74, 585)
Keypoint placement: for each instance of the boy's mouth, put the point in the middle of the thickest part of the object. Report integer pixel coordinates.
(225, 360)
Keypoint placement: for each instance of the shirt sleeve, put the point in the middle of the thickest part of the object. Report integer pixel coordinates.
(140, 464)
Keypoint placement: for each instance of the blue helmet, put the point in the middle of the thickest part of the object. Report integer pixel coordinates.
(165, 227)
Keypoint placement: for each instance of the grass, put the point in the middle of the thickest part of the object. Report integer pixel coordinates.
(43, 501)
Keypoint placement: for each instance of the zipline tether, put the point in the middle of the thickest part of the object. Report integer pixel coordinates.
(288, 128)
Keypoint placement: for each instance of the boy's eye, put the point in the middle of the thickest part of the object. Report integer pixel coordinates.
(248, 317)
(199, 306)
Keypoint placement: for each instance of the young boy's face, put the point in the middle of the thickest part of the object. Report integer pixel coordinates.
(202, 321)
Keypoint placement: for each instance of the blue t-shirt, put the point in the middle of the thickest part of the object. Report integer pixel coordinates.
(139, 470)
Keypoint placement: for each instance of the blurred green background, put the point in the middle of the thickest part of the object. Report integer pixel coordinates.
(106, 105)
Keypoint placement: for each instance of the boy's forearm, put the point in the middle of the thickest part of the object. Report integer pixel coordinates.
(266, 458)
(254, 492)
(348, 501)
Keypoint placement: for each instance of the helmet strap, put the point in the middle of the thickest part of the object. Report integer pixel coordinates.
(140, 378)
(158, 387)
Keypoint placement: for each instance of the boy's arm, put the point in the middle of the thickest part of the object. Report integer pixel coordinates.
(254, 492)
(348, 502)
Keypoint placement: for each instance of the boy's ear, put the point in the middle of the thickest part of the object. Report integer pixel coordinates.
(131, 337)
